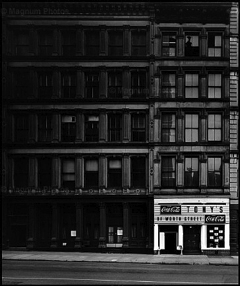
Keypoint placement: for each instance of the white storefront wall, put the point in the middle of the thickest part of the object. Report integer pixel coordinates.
(191, 211)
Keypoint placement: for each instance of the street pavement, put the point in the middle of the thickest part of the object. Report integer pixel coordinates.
(119, 257)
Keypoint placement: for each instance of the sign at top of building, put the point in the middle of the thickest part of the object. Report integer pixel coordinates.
(170, 209)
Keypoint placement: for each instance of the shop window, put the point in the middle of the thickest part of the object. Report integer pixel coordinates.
(169, 44)
(114, 173)
(44, 128)
(21, 80)
(138, 85)
(115, 43)
(68, 128)
(214, 45)
(191, 45)
(92, 85)
(21, 128)
(91, 173)
(214, 85)
(45, 43)
(168, 85)
(92, 41)
(68, 43)
(191, 175)
(191, 127)
(22, 43)
(214, 127)
(68, 174)
(45, 85)
(215, 236)
(139, 43)
(191, 85)
(69, 82)
(138, 127)
(168, 127)
(114, 84)
(114, 127)
(44, 172)
(138, 172)
(21, 173)
(91, 128)
(214, 172)
(168, 172)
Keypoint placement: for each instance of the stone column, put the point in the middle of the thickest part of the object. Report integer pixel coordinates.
(126, 171)
(55, 226)
(226, 126)
(180, 43)
(80, 41)
(80, 127)
(32, 128)
(102, 171)
(79, 172)
(180, 126)
(103, 82)
(126, 125)
(125, 224)
(103, 43)
(31, 227)
(226, 83)
(203, 42)
(55, 128)
(203, 83)
(180, 235)
(56, 173)
(180, 170)
(80, 83)
(103, 126)
(126, 41)
(203, 171)
(32, 172)
(102, 238)
(79, 226)
(56, 44)
(156, 238)
(203, 237)
(126, 83)
(180, 83)
(56, 91)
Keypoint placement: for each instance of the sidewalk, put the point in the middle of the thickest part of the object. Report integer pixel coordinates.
(118, 257)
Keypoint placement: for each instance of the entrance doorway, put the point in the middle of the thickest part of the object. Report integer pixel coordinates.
(170, 242)
(191, 239)
(115, 234)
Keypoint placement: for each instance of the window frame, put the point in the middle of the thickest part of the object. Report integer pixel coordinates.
(45, 85)
(190, 128)
(115, 84)
(92, 86)
(115, 49)
(95, 45)
(214, 128)
(69, 43)
(68, 128)
(138, 172)
(169, 46)
(138, 131)
(21, 173)
(64, 185)
(114, 179)
(91, 176)
(45, 134)
(191, 86)
(218, 184)
(91, 136)
(21, 132)
(167, 129)
(190, 50)
(46, 47)
(115, 131)
(68, 91)
(21, 85)
(215, 87)
(194, 182)
(164, 164)
(138, 90)
(45, 171)
(214, 47)
(139, 46)
(167, 85)
(22, 44)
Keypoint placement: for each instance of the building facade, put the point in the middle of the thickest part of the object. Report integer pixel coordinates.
(120, 127)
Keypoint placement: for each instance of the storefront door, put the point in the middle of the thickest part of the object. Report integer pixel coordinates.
(191, 234)
(115, 234)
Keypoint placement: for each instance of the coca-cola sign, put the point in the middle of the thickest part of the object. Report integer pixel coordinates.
(215, 219)
(170, 209)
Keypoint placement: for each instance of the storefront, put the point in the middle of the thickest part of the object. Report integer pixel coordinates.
(191, 226)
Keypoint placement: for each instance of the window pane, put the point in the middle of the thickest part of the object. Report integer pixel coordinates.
(91, 165)
(218, 41)
(115, 164)
(68, 166)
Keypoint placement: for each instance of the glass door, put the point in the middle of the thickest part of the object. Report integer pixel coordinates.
(115, 234)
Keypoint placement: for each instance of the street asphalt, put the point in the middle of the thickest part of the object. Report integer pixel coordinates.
(119, 257)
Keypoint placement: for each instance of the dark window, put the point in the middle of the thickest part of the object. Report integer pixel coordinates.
(214, 172)
(191, 45)
(168, 127)
(44, 172)
(214, 127)
(168, 172)
(214, 85)
(92, 85)
(191, 127)
(215, 236)
(169, 44)
(168, 85)
(114, 127)
(139, 43)
(22, 43)
(115, 84)
(91, 128)
(45, 43)
(69, 82)
(138, 172)
(21, 85)
(21, 173)
(68, 128)
(191, 178)
(68, 43)
(91, 173)
(44, 128)
(68, 173)
(138, 127)
(21, 128)
(92, 43)
(114, 173)
(115, 43)
(214, 45)
(45, 83)
(138, 84)
(191, 85)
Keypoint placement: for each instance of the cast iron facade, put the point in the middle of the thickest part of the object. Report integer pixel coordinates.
(108, 110)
